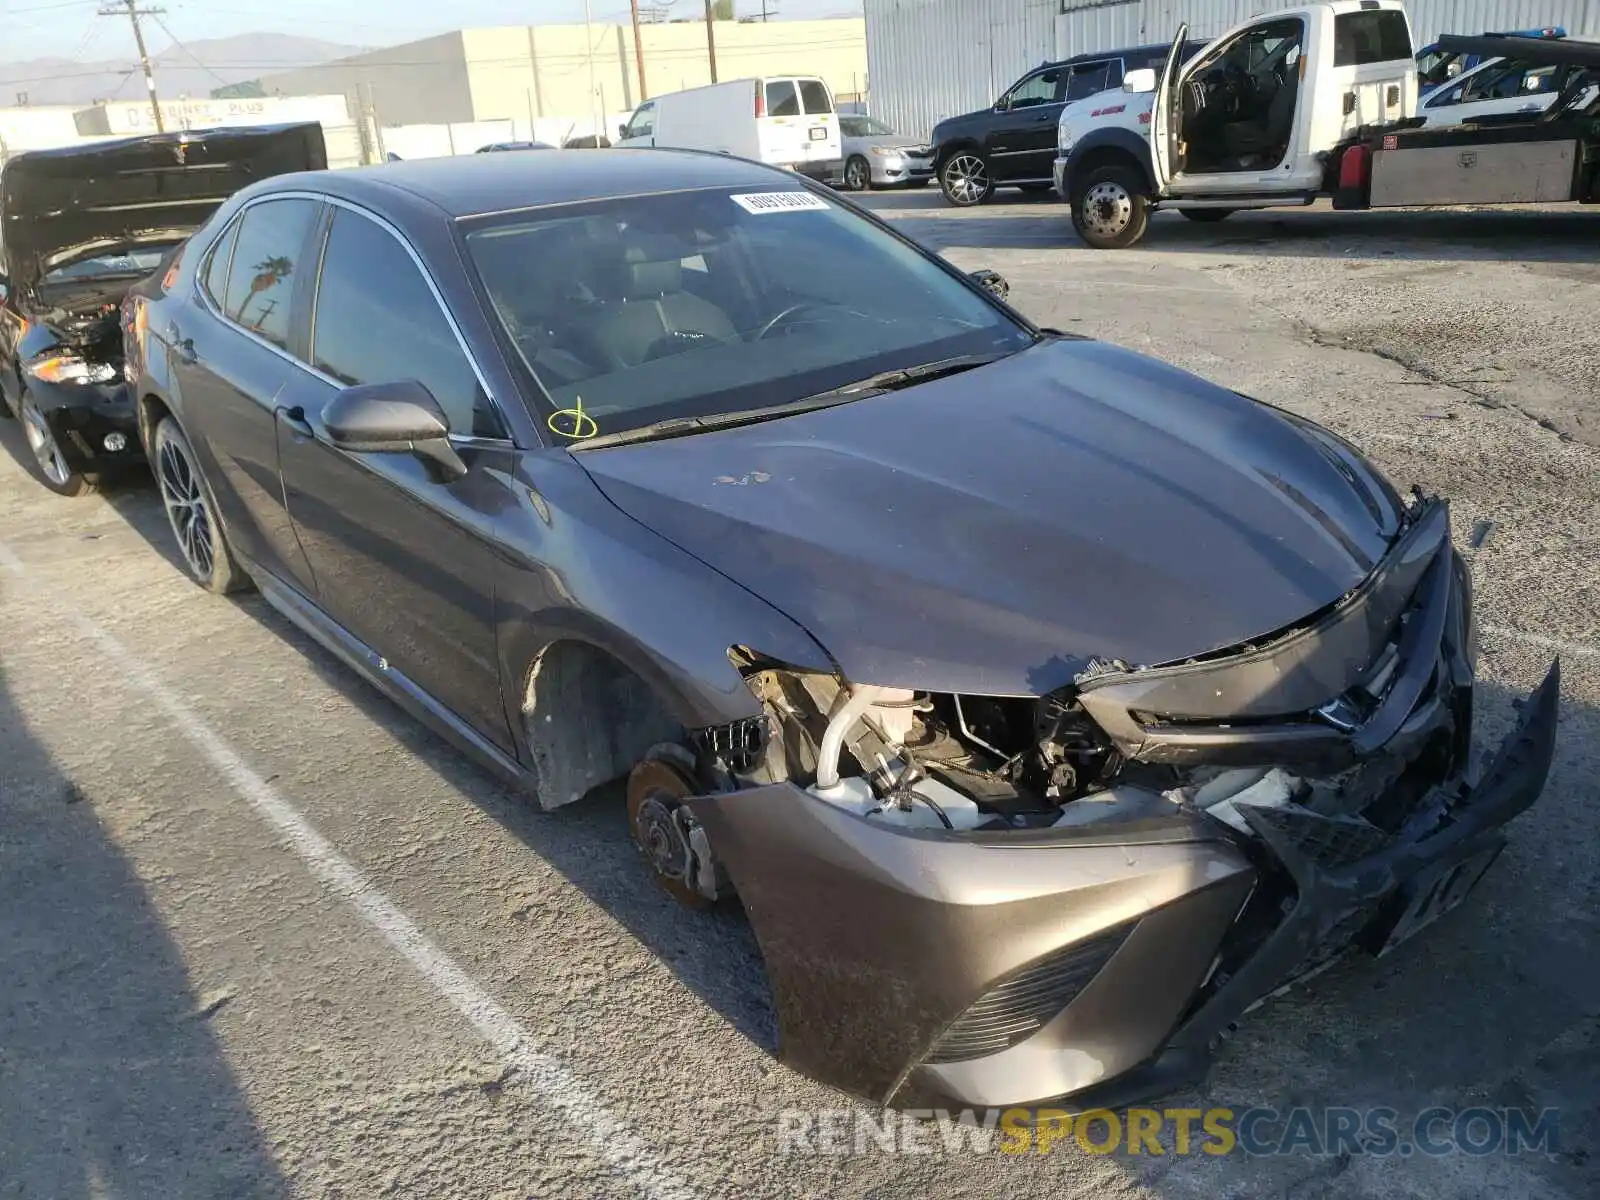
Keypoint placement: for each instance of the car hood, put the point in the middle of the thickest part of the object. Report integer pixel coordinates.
(60, 205)
(996, 531)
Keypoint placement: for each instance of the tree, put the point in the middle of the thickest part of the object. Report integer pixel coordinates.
(722, 10)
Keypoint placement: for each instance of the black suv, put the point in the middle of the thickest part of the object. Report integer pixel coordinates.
(1013, 142)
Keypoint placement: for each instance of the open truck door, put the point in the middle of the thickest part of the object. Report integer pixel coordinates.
(1162, 113)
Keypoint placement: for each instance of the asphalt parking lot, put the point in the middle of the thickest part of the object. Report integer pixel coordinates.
(260, 935)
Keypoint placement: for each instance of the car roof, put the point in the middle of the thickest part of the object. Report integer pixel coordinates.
(470, 185)
(1152, 50)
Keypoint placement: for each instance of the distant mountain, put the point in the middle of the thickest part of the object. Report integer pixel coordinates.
(225, 61)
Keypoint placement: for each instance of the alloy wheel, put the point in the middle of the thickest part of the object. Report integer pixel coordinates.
(857, 175)
(966, 178)
(1107, 208)
(43, 444)
(186, 509)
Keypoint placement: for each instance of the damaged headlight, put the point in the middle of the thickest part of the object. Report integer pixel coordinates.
(68, 368)
(932, 759)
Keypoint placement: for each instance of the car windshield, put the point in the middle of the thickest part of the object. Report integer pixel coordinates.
(864, 127)
(137, 261)
(704, 303)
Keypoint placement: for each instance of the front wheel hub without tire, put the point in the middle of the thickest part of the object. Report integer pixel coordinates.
(665, 831)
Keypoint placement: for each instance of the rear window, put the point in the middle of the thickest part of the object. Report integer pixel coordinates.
(782, 101)
(1370, 36)
(814, 95)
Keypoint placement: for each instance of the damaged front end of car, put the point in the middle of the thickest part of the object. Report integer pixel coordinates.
(981, 901)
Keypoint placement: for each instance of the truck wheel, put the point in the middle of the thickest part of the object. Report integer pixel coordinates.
(1208, 216)
(1110, 210)
(965, 179)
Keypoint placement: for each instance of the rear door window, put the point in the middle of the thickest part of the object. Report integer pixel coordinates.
(782, 99)
(1091, 78)
(814, 95)
(215, 277)
(378, 321)
(1370, 36)
(268, 256)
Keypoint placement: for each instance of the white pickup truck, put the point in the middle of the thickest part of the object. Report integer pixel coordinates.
(1318, 100)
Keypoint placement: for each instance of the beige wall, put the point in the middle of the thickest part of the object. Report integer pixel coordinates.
(419, 82)
(543, 71)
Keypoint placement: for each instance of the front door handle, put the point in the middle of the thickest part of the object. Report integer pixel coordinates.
(295, 419)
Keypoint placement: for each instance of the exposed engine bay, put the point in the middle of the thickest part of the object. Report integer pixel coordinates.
(88, 325)
(1246, 731)
(934, 760)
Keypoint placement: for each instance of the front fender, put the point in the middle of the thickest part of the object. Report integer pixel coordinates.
(582, 570)
(1108, 144)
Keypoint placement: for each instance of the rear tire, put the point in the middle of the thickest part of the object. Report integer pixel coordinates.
(1208, 216)
(965, 180)
(49, 460)
(1110, 210)
(192, 513)
(857, 174)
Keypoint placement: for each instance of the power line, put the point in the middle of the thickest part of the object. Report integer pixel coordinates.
(188, 52)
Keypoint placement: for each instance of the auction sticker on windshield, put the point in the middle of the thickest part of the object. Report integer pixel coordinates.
(769, 202)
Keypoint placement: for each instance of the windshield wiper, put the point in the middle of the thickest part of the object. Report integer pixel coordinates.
(902, 377)
(861, 389)
(682, 426)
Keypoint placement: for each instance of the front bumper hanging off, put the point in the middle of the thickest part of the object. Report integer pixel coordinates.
(896, 958)
(1097, 963)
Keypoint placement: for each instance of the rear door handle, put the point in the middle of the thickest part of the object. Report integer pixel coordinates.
(295, 419)
(181, 346)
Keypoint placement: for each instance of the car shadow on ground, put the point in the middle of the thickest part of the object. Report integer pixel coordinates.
(1011, 221)
(113, 1082)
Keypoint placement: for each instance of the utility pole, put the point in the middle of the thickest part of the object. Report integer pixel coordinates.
(638, 51)
(711, 40)
(594, 92)
(131, 10)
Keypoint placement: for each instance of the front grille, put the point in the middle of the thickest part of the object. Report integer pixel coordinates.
(1015, 1010)
(1326, 841)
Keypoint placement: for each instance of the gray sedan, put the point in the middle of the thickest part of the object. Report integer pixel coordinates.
(877, 156)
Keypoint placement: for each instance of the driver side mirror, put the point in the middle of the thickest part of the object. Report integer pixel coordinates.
(992, 282)
(5, 289)
(1141, 80)
(622, 131)
(1003, 104)
(394, 418)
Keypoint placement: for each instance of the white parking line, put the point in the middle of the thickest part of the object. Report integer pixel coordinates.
(555, 1084)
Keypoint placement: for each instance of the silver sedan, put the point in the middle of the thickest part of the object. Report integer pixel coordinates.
(877, 156)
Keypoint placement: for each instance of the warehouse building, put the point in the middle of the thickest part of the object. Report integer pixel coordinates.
(533, 77)
(931, 59)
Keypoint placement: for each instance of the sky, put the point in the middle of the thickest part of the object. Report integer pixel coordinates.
(70, 29)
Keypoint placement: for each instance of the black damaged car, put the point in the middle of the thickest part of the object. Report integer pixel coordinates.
(80, 226)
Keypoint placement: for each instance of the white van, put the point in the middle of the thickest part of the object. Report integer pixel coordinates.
(785, 121)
